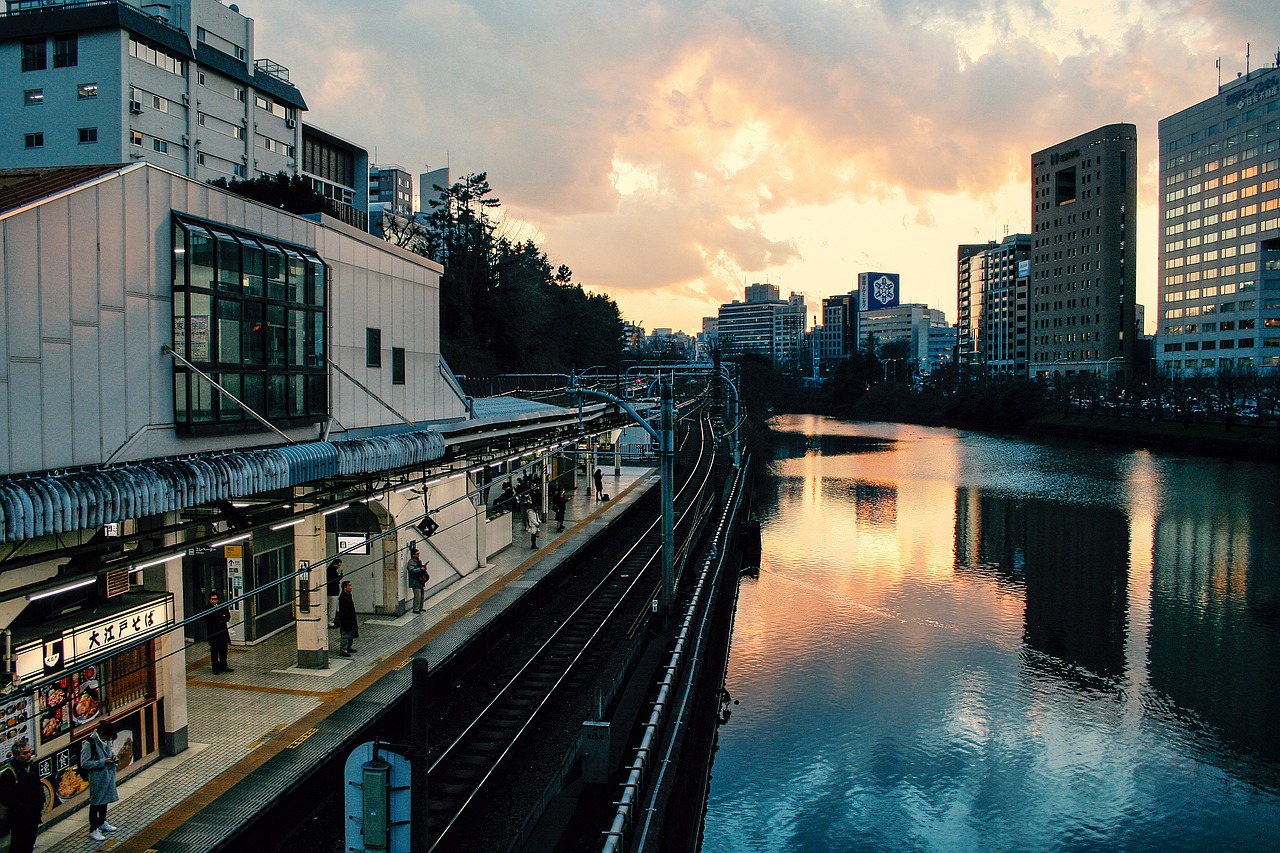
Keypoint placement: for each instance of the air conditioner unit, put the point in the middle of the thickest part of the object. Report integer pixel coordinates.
(290, 122)
(135, 107)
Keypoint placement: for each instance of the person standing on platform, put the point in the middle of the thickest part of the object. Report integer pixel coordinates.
(98, 762)
(532, 523)
(416, 568)
(215, 625)
(598, 476)
(22, 793)
(348, 628)
(559, 502)
(334, 580)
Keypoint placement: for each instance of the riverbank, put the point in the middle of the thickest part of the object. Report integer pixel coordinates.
(1237, 441)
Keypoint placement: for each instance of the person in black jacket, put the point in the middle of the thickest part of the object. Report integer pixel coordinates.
(23, 795)
(348, 628)
(215, 624)
(334, 581)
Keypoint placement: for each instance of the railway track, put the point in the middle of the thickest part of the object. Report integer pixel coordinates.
(466, 777)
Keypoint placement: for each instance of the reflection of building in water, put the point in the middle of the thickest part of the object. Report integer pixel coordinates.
(1213, 619)
(989, 534)
(876, 504)
(1077, 576)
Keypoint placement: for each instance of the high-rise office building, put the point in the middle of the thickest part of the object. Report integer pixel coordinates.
(764, 324)
(1083, 255)
(991, 289)
(1219, 285)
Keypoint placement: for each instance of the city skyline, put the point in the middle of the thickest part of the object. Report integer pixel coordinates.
(672, 153)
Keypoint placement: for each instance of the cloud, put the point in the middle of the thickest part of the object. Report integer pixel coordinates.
(653, 143)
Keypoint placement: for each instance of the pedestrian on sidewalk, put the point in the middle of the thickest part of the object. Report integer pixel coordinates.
(334, 581)
(416, 568)
(532, 523)
(22, 793)
(559, 501)
(98, 762)
(348, 628)
(215, 624)
(598, 476)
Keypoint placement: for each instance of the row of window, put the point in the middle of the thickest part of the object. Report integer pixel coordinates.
(1216, 129)
(1226, 161)
(1195, 363)
(1227, 180)
(250, 312)
(1228, 343)
(35, 52)
(86, 136)
(373, 355)
(35, 97)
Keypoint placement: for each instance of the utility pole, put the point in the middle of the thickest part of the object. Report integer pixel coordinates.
(667, 459)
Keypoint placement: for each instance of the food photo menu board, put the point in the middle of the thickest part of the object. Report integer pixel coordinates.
(73, 700)
(60, 773)
(17, 715)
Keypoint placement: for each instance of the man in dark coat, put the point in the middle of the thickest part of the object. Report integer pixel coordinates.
(215, 624)
(559, 502)
(348, 628)
(23, 794)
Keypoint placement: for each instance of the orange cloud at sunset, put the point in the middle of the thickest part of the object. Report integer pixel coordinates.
(671, 152)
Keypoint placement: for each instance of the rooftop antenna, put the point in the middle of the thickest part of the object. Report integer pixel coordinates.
(1219, 64)
(1278, 59)
(1247, 48)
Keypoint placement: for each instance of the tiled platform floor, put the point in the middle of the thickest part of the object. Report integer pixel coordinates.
(234, 719)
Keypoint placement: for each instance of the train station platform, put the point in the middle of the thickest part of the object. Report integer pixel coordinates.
(240, 720)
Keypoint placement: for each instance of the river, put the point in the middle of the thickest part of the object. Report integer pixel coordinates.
(960, 641)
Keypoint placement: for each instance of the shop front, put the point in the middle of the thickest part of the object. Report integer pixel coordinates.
(73, 673)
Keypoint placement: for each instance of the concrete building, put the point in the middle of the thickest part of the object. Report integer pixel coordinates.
(391, 187)
(837, 336)
(908, 323)
(1219, 269)
(766, 325)
(991, 287)
(176, 84)
(1083, 255)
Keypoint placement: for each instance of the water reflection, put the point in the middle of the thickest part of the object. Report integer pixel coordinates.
(967, 642)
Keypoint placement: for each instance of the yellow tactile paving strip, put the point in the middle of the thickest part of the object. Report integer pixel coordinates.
(292, 735)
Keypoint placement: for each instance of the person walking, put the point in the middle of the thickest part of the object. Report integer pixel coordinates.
(22, 793)
(532, 523)
(416, 568)
(215, 625)
(333, 578)
(598, 476)
(348, 628)
(559, 502)
(98, 762)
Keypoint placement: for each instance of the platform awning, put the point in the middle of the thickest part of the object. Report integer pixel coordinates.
(50, 503)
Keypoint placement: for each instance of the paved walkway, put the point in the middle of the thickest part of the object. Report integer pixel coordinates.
(238, 720)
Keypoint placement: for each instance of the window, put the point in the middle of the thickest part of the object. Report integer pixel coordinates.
(87, 90)
(135, 137)
(88, 135)
(34, 55)
(33, 97)
(247, 312)
(397, 365)
(373, 348)
(160, 145)
(65, 51)
(34, 140)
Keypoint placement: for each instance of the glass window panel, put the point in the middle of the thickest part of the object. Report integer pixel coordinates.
(297, 337)
(228, 331)
(253, 386)
(275, 274)
(315, 341)
(252, 334)
(228, 262)
(203, 400)
(201, 250)
(315, 282)
(253, 268)
(198, 325)
(277, 395)
(228, 411)
(179, 257)
(297, 394)
(296, 291)
(181, 415)
(277, 338)
(317, 395)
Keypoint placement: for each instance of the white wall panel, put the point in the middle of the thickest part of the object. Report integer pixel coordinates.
(24, 395)
(109, 232)
(86, 394)
(21, 283)
(55, 409)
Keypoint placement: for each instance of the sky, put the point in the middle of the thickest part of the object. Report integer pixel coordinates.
(670, 152)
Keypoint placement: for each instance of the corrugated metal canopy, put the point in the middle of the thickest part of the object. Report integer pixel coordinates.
(61, 503)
